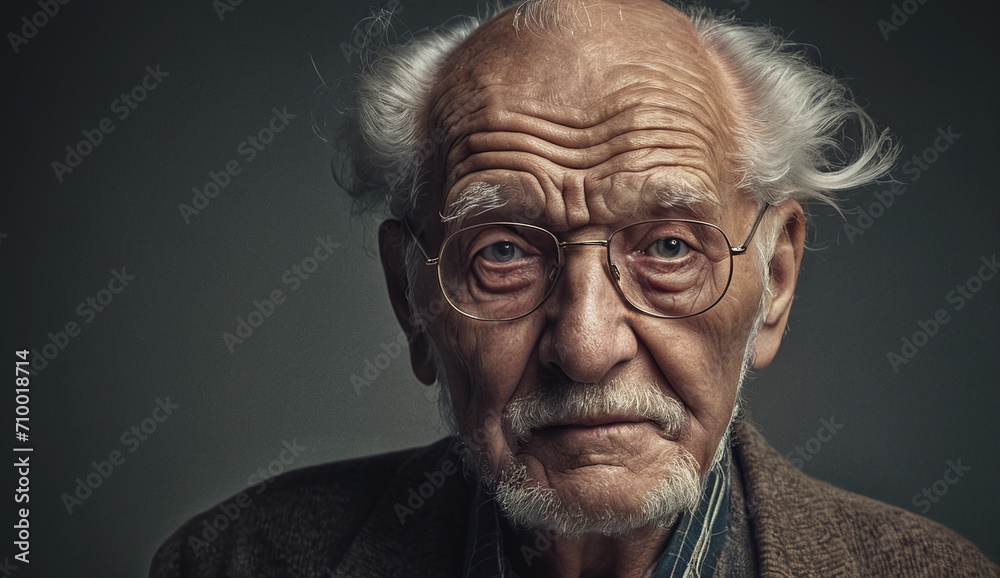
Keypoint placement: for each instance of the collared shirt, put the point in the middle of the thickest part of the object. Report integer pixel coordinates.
(693, 549)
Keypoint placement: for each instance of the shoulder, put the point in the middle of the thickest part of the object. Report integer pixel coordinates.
(806, 527)
(304, 520)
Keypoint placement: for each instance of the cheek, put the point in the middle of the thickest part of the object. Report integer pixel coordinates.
(701, 357)
(701, 363)
(487, 364)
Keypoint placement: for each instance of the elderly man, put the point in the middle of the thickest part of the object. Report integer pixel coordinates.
(596, 230)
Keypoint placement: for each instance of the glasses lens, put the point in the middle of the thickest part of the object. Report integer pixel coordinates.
(671, 268)
(498, 271)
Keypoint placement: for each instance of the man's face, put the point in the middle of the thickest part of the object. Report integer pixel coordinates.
(623, 120)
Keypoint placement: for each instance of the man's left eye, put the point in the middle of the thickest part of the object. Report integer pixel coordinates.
(502, 252)
(668, 248)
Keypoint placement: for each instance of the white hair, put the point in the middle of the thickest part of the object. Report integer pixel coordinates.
(792, 135)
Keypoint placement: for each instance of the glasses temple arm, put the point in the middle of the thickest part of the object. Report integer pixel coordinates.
(416, 241)
(743, 247)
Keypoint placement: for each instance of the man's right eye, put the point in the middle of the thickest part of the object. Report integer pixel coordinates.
(501, 252)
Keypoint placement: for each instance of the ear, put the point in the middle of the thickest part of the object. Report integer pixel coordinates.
(392, 247)
(784, 272)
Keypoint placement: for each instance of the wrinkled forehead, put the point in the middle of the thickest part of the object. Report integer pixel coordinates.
(574, 94)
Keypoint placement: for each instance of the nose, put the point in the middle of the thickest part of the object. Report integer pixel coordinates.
(588, 333)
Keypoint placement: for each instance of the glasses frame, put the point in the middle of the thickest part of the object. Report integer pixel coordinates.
(733, 252)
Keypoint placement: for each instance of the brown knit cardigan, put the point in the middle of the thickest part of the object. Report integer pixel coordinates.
(344, 520)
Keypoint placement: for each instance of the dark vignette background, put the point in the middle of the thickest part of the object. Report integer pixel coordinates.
(161, 337)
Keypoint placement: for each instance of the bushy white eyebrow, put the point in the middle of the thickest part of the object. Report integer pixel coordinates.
(677, 193)
(476, 199)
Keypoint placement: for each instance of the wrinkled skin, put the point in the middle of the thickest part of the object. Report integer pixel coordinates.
(583, 125)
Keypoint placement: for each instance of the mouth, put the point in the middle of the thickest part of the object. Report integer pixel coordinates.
(597, 426)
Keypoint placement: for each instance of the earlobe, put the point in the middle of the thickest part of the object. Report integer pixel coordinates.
(392, 249)
(784, 271)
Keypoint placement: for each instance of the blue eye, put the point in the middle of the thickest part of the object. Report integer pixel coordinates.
(668, 248)
(502, 252)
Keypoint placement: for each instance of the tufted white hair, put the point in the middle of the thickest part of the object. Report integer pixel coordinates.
(792, 135)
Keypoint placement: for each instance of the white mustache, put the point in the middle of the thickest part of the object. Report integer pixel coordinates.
(615, 400)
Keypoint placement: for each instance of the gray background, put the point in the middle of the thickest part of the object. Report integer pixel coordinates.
(162, 336)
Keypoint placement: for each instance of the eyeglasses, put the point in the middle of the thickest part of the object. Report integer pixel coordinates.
(667, 268)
